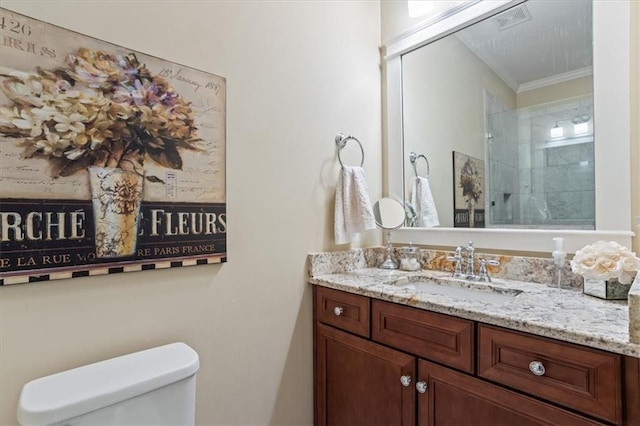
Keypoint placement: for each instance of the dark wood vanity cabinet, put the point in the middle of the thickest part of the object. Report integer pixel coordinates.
(383, 363)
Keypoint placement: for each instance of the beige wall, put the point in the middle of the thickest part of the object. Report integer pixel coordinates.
(564, 90)
(395, 19)
(635, 122)
(297, 73)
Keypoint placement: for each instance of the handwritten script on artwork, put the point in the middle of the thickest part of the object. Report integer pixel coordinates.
(179, 75)
(28, 44)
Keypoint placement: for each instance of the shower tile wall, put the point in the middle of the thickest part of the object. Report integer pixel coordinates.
(569, 180)
(561, 171)
(535, 180)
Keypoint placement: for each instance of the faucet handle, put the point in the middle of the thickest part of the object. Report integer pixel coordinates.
(483, 275)
(458, 266)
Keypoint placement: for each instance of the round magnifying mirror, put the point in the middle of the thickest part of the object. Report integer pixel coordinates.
(388, 214)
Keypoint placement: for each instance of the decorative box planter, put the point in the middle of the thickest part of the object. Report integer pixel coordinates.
(606, 289)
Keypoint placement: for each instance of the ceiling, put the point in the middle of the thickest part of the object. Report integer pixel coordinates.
(554, 45)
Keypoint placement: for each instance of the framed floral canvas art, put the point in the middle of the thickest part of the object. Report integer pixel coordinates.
(111, 160)
(468, 191)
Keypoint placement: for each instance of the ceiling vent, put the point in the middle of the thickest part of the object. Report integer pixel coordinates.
(512, 17)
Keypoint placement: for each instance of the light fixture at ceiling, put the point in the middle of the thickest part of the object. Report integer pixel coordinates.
(580, 126)
(557, 131)
(428, 9)
(419, 7)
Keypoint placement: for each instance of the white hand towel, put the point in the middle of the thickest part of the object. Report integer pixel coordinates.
(353, 212)
(422, 202)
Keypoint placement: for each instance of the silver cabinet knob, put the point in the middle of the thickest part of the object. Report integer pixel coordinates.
(421, 387)
(537, 368)
(338, 310)
(405, 380)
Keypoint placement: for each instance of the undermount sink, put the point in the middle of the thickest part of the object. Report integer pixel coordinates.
(484, 292)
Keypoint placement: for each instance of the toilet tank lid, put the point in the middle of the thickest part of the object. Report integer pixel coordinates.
(84, 389)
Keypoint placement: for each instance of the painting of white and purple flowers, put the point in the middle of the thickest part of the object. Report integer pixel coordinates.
(101, 110)
(110, 159)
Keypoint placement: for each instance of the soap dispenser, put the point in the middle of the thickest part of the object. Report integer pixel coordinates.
(409, 260)
(559, 256)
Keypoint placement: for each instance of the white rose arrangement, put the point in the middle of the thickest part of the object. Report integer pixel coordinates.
(605, 260)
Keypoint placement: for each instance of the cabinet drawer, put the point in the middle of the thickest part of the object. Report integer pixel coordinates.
(584, 379)
(436, 337)
(347, 311)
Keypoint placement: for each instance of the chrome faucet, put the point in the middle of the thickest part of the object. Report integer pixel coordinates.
(470, 271)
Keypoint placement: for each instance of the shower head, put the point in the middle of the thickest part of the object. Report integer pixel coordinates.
(579, 119)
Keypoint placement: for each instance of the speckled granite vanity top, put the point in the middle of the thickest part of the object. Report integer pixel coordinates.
(540, 309)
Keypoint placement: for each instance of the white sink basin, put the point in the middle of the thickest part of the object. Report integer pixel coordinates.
(469, 291)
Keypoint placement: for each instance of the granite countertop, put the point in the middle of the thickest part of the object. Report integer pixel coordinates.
(540, 309)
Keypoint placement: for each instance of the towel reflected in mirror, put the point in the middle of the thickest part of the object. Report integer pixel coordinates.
(426, 215)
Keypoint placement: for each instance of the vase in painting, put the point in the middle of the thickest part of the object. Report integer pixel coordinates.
(472, 213)
(116, 196)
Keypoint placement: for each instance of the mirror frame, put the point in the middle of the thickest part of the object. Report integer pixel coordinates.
(611, 64)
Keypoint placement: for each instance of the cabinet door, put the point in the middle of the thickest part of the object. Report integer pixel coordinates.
(453, 398)
(358, 382)
(632, 390)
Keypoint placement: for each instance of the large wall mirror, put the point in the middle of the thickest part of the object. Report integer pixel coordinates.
(506, 126)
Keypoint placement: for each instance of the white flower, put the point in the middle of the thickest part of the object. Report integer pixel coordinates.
(605, 260)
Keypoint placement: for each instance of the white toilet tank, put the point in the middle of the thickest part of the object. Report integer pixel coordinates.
(152, 387)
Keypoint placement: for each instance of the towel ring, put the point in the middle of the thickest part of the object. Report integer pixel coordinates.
(413, 157)
(341, 142)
